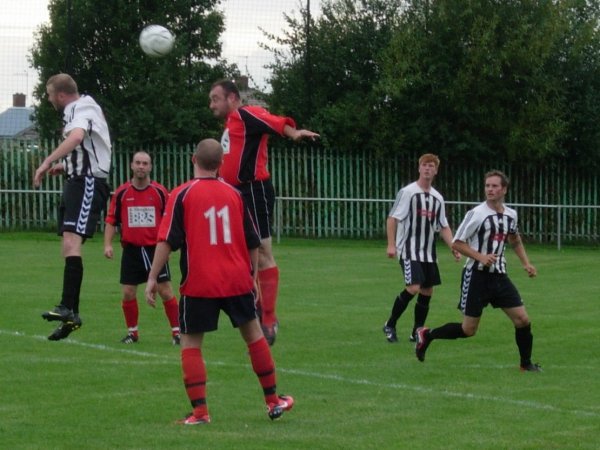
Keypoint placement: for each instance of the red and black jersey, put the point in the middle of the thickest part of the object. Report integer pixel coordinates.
(138, 212)
(207, 219)
(244, 143)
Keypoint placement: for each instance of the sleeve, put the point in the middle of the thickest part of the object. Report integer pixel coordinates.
(172, 226)
(113, 216)
(84, 114)
(442, 219)
(164, 195)
(260, 121)
(401, 206)
(467, 228)
(513, 226)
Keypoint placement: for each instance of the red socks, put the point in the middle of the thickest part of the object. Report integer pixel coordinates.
(172, 312)
(194, 374)
(264, 368)
(194, 379)
(268, 281)
(131, 312)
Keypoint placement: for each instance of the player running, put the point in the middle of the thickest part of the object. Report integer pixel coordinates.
(482, 237)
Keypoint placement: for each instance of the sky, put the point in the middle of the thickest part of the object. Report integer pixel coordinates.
(20, 18)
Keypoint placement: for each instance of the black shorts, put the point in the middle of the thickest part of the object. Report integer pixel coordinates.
(136, 263)
(424, 274)
(200, 315)
(479, 288)
(259, 197)
(82, 203)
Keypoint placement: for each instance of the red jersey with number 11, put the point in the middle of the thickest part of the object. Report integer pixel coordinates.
(206, 218)
(244, 143)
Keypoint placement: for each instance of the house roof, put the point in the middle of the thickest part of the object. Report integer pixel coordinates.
(15, 121)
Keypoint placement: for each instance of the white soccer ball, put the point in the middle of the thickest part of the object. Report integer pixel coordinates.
(156, 41)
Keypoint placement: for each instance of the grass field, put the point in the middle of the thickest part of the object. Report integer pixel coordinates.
(353, 390)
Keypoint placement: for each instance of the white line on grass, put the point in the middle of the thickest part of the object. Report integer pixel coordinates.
(426, 390)
(83, 344)
(338, 378)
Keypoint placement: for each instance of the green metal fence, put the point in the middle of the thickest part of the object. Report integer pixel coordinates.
(325, 194)
(322, 194)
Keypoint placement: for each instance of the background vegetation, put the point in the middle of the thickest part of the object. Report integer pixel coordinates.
(145, 100)
(468, 79)
(493, 79)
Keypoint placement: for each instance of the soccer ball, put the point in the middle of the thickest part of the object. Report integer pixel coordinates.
(156, 41)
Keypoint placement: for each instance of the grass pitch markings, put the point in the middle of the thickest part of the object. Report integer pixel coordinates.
(333, 377)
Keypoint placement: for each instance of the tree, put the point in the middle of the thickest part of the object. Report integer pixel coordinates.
(477, 78)
(325, 78)
(579, 66)
(506, 79)
(145, 100)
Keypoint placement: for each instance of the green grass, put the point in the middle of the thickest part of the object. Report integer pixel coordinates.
(353, 389)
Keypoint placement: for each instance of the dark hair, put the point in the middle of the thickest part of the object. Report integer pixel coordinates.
(228, 86)
(504, 181)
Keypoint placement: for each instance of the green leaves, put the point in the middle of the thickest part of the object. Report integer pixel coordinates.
(145, 100)
(516, 80)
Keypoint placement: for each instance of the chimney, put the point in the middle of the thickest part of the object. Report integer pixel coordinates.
(242, 83)
(19, 100)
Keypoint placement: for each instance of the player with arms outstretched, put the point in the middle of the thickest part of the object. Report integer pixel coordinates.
(244, 141)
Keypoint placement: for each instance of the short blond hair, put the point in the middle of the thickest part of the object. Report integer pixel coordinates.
(62, 82)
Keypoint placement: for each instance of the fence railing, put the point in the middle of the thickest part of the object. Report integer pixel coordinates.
(325, 194)
(310, 222)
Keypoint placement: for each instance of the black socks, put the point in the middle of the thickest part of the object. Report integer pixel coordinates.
(73, 275)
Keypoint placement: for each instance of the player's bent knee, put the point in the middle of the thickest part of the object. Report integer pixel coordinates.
(469, 331)
(521, 321)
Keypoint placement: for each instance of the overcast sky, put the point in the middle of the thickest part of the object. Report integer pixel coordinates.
(20, 18)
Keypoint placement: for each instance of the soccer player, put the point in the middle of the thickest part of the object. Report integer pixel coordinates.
(137, 207)
(416, 217)
(244, 142)
(207, 219)
(86, 155)
(482, 237)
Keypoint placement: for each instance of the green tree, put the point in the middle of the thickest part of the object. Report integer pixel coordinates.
(508, 79)
(476, 78)
(146, 100)
(579, 66)
(494, 78)
(325, 74)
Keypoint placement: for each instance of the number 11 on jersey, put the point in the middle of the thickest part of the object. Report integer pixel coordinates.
(222, 215)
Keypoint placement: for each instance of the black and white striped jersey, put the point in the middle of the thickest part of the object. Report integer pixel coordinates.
(486, 231)
(419, 215)
(93, 156)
